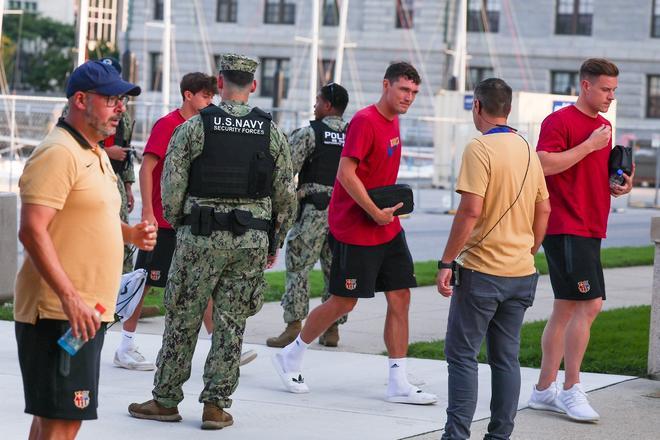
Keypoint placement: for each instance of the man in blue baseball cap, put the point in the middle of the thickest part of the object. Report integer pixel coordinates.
(69, 201)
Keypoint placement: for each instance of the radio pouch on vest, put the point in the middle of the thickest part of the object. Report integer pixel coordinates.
(201, 220)
(391, 195)
(620, 163)
(239, 221)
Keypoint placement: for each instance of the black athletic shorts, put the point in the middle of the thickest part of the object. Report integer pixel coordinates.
(157, 262)
(359, 271)
(55, 384)
(574, 265)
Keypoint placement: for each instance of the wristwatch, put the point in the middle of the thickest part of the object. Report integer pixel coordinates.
(442, 265)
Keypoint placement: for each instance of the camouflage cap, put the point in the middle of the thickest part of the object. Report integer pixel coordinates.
(241, 63)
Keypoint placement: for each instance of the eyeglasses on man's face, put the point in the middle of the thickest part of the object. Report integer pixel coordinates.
(112, 101)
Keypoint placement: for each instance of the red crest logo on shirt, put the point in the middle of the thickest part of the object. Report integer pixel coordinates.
(394, 142)
(584, 286)
(351, 283)
(154, 275)
(81, 399)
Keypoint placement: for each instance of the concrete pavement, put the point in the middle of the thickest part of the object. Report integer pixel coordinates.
(348, 386)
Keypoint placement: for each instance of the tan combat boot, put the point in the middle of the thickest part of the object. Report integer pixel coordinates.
(152, 410)
(331, 336)
(215, 418)
(289, 335)
(149, 312)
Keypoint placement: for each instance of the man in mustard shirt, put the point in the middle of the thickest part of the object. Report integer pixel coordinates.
(499, 226)
(73, 237)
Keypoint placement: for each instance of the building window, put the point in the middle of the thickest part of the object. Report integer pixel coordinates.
(326, 72)
(156, 65)
(653, 97)
(25, 6)
(655, 21)
(483, 15)
(269, 66)
(158, 9)
(477, 74)
(404, 14)
(574, 17)
(330, 13)
(565, 83)
(226, 12)
(279, 12)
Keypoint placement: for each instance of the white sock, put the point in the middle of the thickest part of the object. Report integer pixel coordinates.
(292, 355)
(127, 340)
(398, 384)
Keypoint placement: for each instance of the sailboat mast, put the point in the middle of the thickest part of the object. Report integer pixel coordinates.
(341, 40)
(314, 54)
(167, 53)
(83, 20)
(459, 65)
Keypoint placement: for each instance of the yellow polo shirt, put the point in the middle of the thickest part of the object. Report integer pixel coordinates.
(494, 168)
(86, 230)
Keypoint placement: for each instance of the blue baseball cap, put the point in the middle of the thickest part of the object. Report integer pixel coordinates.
(114, 62)
(101, 78)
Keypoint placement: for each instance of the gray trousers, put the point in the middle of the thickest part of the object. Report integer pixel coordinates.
(492, 307)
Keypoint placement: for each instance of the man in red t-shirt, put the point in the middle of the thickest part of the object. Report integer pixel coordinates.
(574, 148)
(369, 250)
(197, 91)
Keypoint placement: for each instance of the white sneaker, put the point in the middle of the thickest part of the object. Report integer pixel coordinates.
(248, 356)
(546, 399)
(293, 381)
(414, 397)
(575, 403)
(132, 359)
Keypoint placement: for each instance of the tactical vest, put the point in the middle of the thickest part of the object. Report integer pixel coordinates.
(236, 159)
(118, 166)
(321, 166)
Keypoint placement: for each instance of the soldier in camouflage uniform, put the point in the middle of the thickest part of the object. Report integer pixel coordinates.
(315, 152)
(122, 163)
(222, 247)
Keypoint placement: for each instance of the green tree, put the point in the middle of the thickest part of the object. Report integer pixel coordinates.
(103, 49)
(44, 49)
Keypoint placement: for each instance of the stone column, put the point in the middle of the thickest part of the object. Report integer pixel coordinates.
(654, 336)
(8, 245)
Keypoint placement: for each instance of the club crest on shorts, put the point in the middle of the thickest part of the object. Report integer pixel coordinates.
(351, 283)
(81, 399)
(154, 275)
(583, 286)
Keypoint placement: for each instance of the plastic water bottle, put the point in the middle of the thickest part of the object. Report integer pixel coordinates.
(70, 343)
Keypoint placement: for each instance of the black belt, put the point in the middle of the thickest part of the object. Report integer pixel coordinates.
(235, 221)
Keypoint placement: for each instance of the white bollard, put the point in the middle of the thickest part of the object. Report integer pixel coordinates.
(8, 245)
(654, 331)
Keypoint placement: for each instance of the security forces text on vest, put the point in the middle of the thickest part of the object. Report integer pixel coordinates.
(238, 125)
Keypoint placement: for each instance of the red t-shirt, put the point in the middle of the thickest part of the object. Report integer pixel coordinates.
(580, 195)
(157, 145)
(374, 141)
(109, 141)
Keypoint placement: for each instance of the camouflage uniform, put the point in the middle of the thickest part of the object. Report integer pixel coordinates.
(226, 268)
(127, 175)
(308, 239)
